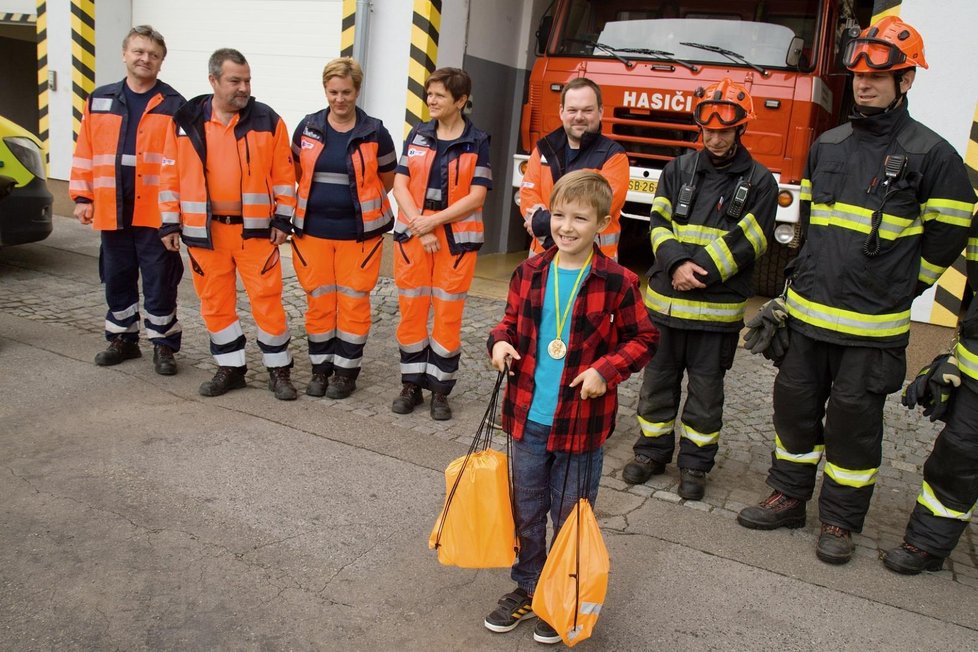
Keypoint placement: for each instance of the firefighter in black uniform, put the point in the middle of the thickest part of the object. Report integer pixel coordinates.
(886, 207)
(712, 217)
(950, 488)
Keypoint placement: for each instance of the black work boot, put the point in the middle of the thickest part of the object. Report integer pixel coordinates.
(224, 380)
(777, 510)
(692, 484)
(280, 383)
(318, 385)
(117, 351)
(341, 387)
(641, 468)
(409, 398)
(440, 409)
(908, 559)
(163, 361)
(834, 545)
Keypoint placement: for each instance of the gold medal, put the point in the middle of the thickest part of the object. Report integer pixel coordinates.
(557, 349)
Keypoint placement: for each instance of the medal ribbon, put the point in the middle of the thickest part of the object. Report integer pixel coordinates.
(561, 320)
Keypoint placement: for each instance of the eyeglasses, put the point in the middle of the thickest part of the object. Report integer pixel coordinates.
(876, 53)
(727, 113)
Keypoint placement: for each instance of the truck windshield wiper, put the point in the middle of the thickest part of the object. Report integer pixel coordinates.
(730, 54)
(604, 48)
(661, 54)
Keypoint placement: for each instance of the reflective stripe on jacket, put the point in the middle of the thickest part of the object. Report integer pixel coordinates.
(97, 163)
(725, 246)
(267, 174)
(369, 196)
(459, 167)
(843, 295)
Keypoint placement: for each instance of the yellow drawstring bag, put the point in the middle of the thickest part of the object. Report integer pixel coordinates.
(476, 528)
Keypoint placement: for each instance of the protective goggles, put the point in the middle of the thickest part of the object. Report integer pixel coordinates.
(875, 53)
(727, 114)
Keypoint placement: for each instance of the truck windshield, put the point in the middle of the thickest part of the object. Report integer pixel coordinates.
(760, 31)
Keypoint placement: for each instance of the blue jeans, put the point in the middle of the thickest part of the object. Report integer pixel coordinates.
(539, 486)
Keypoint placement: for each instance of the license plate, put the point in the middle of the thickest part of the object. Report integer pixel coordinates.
(643, 185)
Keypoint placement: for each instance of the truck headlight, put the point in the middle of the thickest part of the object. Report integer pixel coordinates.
(784, 233)
(28, 153)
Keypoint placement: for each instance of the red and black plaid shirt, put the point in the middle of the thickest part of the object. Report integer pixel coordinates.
(610, 330)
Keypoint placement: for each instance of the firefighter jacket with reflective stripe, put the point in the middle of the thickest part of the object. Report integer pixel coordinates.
(720, 234)
(97, 164)
(548, 162)
(886, 207)
(459, 166)
(267, 173)
(369, 196)
(967, 348)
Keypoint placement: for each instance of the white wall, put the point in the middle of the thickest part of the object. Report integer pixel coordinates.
(113, 20)
(286, 42)
(385, 77)
(60, 130)
(943, 97)
(19, 6)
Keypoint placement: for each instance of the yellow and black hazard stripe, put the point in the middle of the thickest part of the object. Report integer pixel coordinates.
(884, 8)
(426, 24)
(43, 97)
(951, 285)
(17, 19)
(82, 58)
(348, 27)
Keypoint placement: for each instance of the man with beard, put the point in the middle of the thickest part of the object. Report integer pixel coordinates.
(577, 145)
(712, 218)
(227, 187)
(886, 207)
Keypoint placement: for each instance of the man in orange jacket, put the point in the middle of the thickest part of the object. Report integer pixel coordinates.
(227, 187)
(115, 176)
(577, 145)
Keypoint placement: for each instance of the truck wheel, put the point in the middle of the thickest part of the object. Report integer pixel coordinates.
(769, 270)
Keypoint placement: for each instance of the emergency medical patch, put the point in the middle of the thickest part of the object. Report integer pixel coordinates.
(102, 104)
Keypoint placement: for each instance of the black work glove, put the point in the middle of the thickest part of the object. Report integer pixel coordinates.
(767, 332)
(540, 222)
(933, 386)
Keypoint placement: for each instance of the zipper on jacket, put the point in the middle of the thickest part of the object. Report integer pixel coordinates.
(403, 255)
(366, 260)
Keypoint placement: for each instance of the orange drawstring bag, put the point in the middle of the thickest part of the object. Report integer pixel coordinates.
(476, 528)
(574, 581)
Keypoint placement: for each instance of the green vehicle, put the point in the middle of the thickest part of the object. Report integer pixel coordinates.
(25, 203)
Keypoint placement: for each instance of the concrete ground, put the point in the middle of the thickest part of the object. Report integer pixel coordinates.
(135, 514)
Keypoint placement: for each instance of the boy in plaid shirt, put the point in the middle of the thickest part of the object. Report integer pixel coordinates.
(561, 398)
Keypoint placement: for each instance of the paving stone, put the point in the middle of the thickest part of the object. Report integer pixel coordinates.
(745, 444)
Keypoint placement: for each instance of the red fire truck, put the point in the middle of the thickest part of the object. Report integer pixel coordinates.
(650, 56)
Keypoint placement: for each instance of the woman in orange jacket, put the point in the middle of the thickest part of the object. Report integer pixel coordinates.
(441, 183)
(345, 164)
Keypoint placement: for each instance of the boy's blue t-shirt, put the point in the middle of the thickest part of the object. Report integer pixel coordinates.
(546, 376)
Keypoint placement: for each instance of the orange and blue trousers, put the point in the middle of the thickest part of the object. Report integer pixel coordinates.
(337, 276)
(256, 261)
(431, 285)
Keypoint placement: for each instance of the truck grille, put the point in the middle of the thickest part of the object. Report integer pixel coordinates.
(653, 138)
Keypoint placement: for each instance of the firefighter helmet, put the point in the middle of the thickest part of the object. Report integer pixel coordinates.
(723, 105)
(889, 45)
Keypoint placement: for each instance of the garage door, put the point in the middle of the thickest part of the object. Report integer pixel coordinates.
(286, 42)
